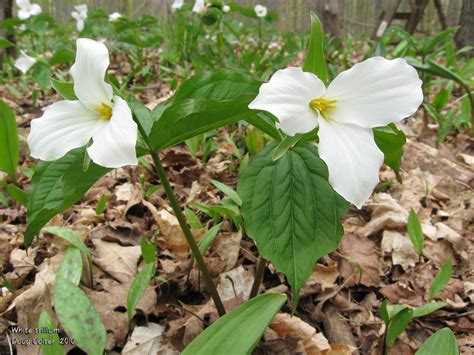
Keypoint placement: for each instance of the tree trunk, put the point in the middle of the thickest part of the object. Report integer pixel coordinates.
(328, 13)
(465, 35)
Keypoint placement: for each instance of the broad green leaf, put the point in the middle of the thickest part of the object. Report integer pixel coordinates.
(228, 191)
(17, 194)
(441, 279)
(9, 152)
(192, 219)
(65, 90)
(145, 117)
(464, 118)
(138, 287)
(390, 141)
(51, 344)
(397, 325)
(428, 308)
(291, 211)
(5, 43)
(56, 186)
(315, 61)
(71, 266)
(443, 342)
(208, 238)
(70, 236)
(148, 250)
(187, 118)
(62, 56)
(287, 143)
(265, 122)
(78, 317)
(239, 331)
(415, 232)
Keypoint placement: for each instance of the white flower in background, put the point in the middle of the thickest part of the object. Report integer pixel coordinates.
(27, 9)
(80, 15)
(97, 114)
(24, 62)
(260, 10)
(177, 4)
(199, 7)
(372, 93)
(226, 8)
(114, 17)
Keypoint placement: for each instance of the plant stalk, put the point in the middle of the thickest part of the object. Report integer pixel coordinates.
(187, 233)
(258, 277)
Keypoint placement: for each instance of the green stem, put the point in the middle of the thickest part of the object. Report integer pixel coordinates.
(258, 277)
(187, 233)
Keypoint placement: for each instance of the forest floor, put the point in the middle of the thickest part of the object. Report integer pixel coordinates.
(339, 303)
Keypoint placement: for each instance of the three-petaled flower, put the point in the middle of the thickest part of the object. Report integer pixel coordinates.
(115, 16)
(97, 114)
(27, 9)
(80, 15)
(260, 10)
(24, 62)
(372, 93)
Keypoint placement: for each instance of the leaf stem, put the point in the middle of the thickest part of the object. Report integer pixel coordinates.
(258, 277)
(187, 233)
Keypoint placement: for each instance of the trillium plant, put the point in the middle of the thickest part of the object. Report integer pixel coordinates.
(328, 140)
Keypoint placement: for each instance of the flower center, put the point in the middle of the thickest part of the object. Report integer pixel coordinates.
(323, 106)
(104, 110)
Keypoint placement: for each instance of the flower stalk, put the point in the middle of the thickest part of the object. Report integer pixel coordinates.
(258, 277)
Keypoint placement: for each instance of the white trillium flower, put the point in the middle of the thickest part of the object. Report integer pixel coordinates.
(24, 62)
(226, 8)
(200, 6)
(371, 94)
(260, 10)
(27, 9)
(97, 114)
(114, 17)
(80, 15)
(177, 4)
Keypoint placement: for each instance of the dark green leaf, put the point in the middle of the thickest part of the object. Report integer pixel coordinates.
(192, 219)
(239, 330)
(228, 191)
(441, 279)
(17, 194)
(390, 141)
(415, 232)
(78, 317)
(428, 308)
(397, 325)
(138, 287)
(40, 73)
(65, 90)
(208, 238)
(291, 211)
(315, 61)
(62, 56)
(464, 118)
(51, 344)
(265, 122)
(443, 342)
(9, 153)
(148, 250)
(5, 43)
(56, 186)
(383, 312)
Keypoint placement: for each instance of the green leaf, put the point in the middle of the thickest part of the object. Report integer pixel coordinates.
(444, 72)
(99, 209)
(442, 98)
(239, 331)
(439, 38)
(188, 118)
(228, 191)
(265, 122)
(397, 325)
(51, 344)
(315, 61)
(78, 317)
(441, 279)
(291, 211)
(394, 309)
(287, 143)
(415, 232)
(65, 90)
(390, 141)
(383, 312)
(56, 186)
(62, 56)
(40, 73)
(71, 266)
(17, 194)
(9, 152)
(148, 250)
(208, 238)
(428, 308)
(443, 342)
(464, 118)
(5, 43)
(138, 287)
(192, 219)
(71, 237)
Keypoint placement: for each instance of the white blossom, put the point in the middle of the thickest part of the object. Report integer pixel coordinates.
(26, 9)
(80, 15)
(24, 62)
(260, 10)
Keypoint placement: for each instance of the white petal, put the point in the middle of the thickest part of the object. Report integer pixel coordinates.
(92, 60)
(114, 143)
(115, 16)
(352, 157)
(23, 14)
(75, 15)
(65, 125)
(35, 9)
(22, 3)
(24, 62)
(287, 96)
(80, 25)
(199, 6)
(375, 92)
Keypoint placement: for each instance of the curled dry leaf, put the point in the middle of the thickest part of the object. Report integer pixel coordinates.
(400, 247)
(234, 287)
(147, 340)
(322, 278)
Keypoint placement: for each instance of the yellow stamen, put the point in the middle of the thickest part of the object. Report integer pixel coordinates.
(105, 111)
(323, 106)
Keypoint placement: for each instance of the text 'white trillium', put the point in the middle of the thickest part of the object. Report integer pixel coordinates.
(80, 15)
(371, 94)
(27, 9)
(97, 114)
(24, 62)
